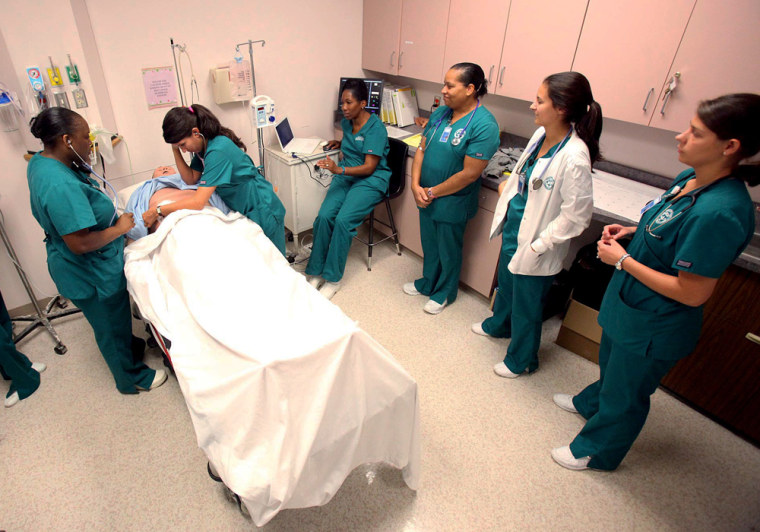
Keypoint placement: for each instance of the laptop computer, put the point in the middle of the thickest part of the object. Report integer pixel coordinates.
(290, 144)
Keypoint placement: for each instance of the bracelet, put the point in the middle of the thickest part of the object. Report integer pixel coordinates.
(619, 263)
(344, 170)
(430, 194)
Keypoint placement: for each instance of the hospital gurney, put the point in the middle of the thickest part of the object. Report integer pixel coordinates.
(287, 395)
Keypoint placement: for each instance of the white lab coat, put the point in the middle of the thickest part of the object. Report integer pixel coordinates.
(552, 216)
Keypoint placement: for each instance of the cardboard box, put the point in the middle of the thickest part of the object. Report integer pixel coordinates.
(580, 333)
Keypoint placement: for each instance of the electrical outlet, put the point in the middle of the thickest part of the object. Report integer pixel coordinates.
(80, 99)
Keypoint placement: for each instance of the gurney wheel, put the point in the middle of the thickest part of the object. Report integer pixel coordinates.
(60, 349)
(235, 498)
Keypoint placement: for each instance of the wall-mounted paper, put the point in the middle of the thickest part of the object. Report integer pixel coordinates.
(160, 87)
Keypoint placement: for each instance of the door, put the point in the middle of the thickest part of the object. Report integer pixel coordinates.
(476, 34)
(715, 57)
(380, 38)
(541, 39)
(626, 49)
(423, 39)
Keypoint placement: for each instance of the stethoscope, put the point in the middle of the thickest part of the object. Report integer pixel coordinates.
(87, 168)
(539, 181)
(458, 134)
(667, 216)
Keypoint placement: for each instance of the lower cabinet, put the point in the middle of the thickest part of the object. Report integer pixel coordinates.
(480, 255)
(721, 377)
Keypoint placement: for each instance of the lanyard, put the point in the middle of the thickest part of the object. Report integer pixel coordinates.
(457, 136)
(539, 181)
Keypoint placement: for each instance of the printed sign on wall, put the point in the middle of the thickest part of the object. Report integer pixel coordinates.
(160, 87)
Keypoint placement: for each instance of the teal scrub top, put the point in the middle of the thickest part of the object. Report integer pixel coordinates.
(64, 201)
(371, 139)
(703, 239)
(479, 140)
(237, 180)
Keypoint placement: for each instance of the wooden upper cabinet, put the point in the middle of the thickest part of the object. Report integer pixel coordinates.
(423, 39)
(476, 34)
(381, 34)
(541, 39)
(715, 57)
(626, 50)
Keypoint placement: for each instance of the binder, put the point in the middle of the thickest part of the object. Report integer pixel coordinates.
(405, 105)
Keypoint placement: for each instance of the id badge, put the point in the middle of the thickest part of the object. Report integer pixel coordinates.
(520, 183)
(650, 204)
(445, 134)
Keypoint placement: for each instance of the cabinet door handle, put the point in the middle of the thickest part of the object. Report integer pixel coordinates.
(490, 73)
(646, 102)
(672, 84)
(501, 76)
(753, 338)
(393, 54)
(400, 55)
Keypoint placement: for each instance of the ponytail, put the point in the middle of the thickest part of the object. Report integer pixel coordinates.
(180, 121)
(571, 92)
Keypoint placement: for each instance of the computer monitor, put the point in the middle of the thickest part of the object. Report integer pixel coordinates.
(374, 90)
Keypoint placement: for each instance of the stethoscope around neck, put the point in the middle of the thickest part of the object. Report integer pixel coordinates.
(532, 150)
(82, 164)
(667, 214)
(460, 133)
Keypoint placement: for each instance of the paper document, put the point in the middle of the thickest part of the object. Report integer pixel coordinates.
(414, 140)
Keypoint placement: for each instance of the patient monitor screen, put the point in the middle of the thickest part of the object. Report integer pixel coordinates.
(375, 91)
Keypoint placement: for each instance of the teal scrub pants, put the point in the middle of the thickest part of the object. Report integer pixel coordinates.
(442, 244)
(344, 208)
(14, 365)
(518, 309)
(616, 406)
(111, 321)
(274, 229)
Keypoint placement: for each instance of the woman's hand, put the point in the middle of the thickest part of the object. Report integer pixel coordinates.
(422, 122)
(609, 251)
(125, 222)
(149, 217)
(421, 197)
(616, 231)
(333, 145)
(329, 164)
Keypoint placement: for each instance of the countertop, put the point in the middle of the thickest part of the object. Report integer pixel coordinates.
(619, 192)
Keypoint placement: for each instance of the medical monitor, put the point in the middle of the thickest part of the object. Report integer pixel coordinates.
(284, 132)
(374, 90)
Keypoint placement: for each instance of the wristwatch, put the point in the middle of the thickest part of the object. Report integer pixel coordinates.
(158, 210)
(430, 194)
(619, 263)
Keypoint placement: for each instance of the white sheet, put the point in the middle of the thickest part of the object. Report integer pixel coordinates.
(286, 393)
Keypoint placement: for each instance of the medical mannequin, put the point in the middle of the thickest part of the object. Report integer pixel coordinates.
(651, 314)
(546, 201)
(85, 247)
(458, 141)
(219, 164)
(359, 183)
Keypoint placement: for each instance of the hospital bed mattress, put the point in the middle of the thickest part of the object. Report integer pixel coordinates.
(287, 395)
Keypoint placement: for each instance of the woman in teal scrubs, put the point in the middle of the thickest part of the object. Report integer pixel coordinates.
(546, 202)
(458, 141)
(359, 183)
(14, 366)
(85, 242)
(651, 314)
(219, 164)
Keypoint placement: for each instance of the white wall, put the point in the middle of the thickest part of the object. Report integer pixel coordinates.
(309, 46)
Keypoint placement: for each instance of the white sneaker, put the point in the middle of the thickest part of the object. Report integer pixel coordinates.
(329, 289)
(477, 328)
(315, 281)
(433, 307)
(565, 402)
(410, 289)
(158, 380)
(39, 367)
(11, 400)
(502, 370)
(564, 457)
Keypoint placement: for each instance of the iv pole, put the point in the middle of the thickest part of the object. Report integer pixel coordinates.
(176, 71)
(259, 131)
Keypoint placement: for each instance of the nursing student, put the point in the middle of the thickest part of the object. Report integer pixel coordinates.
(546, 202)
(651, 314)
(14, 366)
(458, 141)
(219, 164)
(85, 242)
(359, 183)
